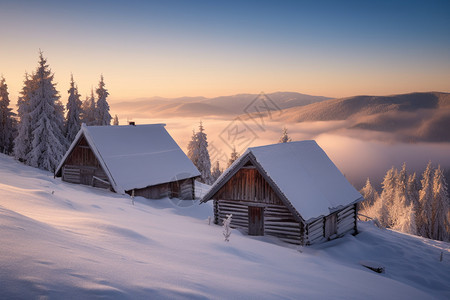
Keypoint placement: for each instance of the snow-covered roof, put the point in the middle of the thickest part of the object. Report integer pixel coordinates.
(136, 156)
(302, 174)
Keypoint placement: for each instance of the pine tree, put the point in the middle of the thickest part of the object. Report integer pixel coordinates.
(88, 110)
(400, 195)
(116, 121)
(402, 214)
(198, 154)
(440, 207)
(47, 120)
(193, 148)
(370, 195)
(425, 203)
(204, 162)
(233, 157)
(413, 188)
(370, 207)
(285, 137)
(22, 142)
(102, 115)
(73, 121)
(216, 171)
(6, 120)
(387, 197)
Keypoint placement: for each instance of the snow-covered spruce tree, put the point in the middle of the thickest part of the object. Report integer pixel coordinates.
(47, 120)
(413, 189)
(216, 171)
(402, 214)
(193, 148)
(440, 207)
(423, 220)
(204, 162)
(285, 137)
(198, 154)
(116, 121)
(387, 198)
(22, 142)
(102, 115)
(6, 120)
(371, 206)
(88, 110)
(233, 157)
(370, 195)
(73, 121)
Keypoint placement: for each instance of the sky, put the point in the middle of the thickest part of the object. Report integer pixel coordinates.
(212, 48)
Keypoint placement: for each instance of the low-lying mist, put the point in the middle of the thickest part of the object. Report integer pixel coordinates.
(358, 153)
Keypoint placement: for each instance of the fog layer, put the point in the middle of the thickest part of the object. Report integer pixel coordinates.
(357, 153)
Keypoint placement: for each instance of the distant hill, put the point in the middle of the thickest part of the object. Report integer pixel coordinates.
(201, 106)
(411, 117)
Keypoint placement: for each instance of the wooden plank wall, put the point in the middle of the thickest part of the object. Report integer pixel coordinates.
(182, 189)
(346, 220)
(345, 223)
(82, 155)
(239, 211)
(248, 185)
(85, 175)
(81, 166)
(71, 174)
(99, 173)
(278, 220)
(315, 232)
(187, 191)
(153, 192)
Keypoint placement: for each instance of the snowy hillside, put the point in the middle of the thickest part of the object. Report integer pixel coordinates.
(60, 240)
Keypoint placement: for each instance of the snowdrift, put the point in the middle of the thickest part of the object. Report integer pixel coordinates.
(60, 240)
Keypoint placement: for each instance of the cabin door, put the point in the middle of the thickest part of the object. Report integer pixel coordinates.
(255, 220)
(330, 226)
(86, 176)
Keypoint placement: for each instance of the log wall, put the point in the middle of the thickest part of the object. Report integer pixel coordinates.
(182, 189)
(187, 189)
(278, 220)
(153, 192)
(346, 220)
(317, 231)
(82, 167)
(248, 188)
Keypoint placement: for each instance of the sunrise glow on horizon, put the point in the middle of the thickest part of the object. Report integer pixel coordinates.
(175, 49)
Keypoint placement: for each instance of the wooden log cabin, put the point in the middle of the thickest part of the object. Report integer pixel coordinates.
(140, 158)
(290, 190)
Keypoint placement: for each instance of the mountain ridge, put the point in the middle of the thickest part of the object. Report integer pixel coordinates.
(412, 117)
(216, 106)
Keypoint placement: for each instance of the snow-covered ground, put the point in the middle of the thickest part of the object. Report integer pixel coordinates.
(60, 240)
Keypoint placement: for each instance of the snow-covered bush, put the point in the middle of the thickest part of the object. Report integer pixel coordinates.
(227, 228)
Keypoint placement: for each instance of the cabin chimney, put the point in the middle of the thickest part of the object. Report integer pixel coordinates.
(131, 123)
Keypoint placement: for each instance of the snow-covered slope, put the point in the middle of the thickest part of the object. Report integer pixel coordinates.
(60, 240)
